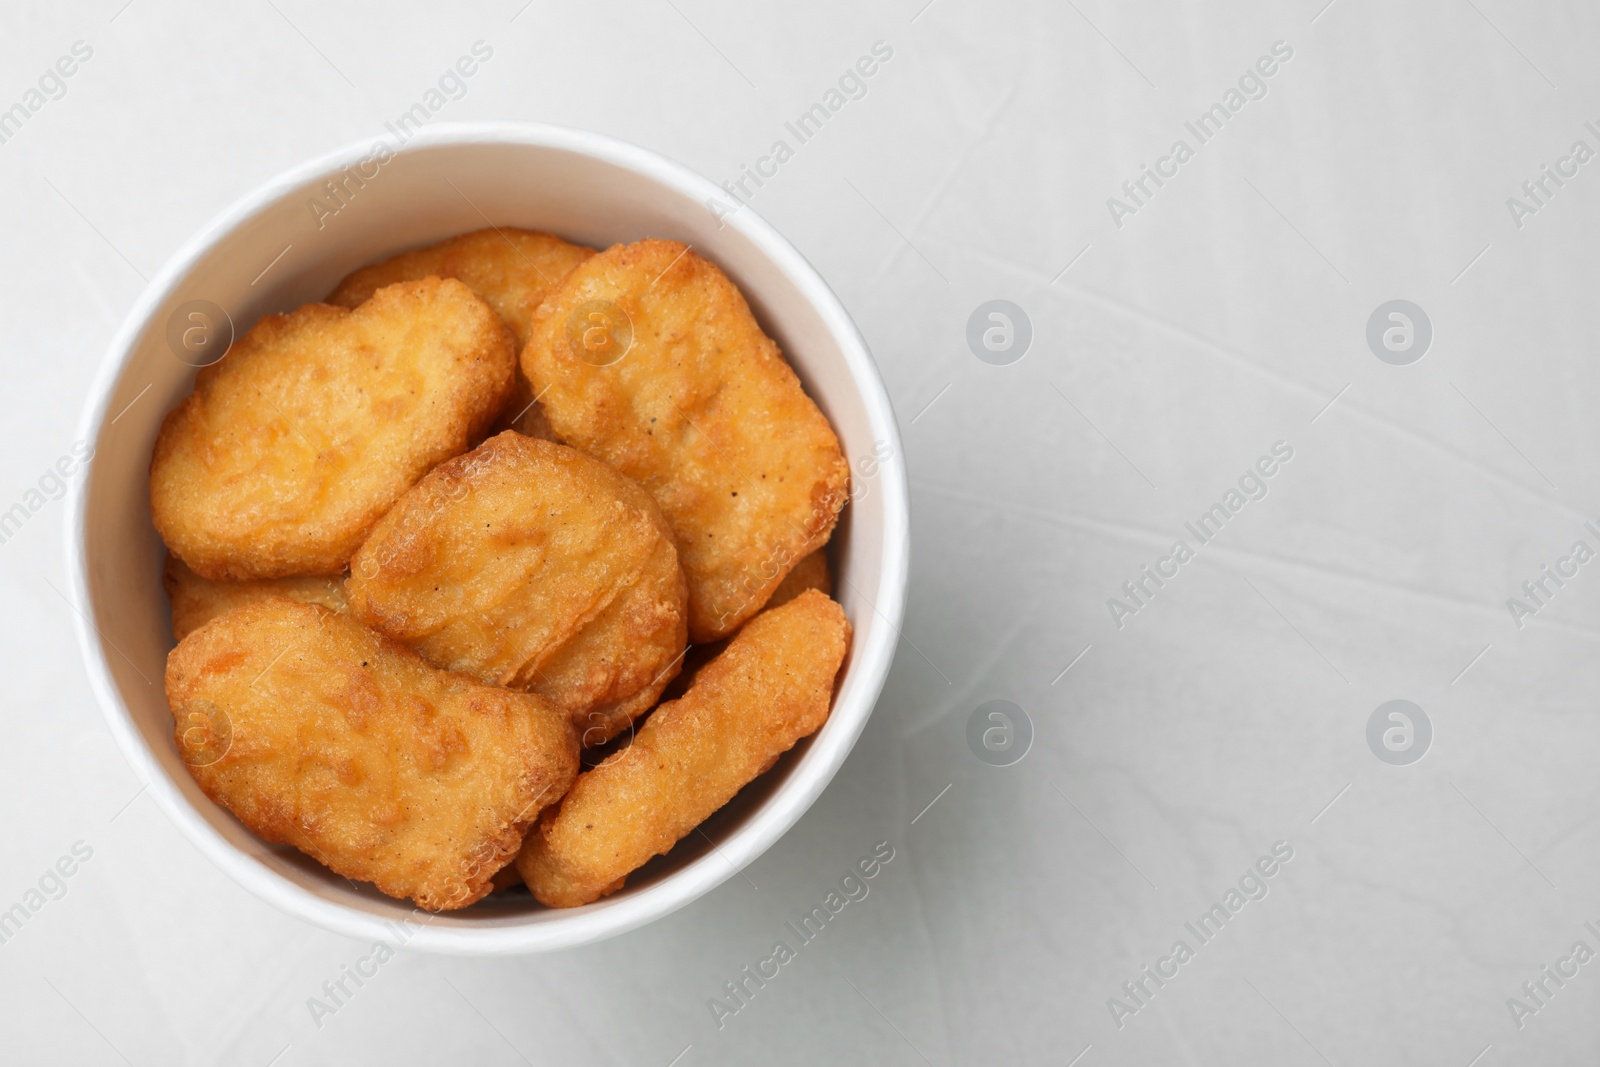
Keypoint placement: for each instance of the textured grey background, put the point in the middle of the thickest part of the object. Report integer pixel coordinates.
(1168, 354)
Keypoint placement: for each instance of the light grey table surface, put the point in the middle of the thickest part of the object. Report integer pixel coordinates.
(1176, 339)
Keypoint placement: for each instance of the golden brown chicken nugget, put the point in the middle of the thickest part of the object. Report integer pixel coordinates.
(648, 357)
(514, 270)
(292, 446)
(317, 732)
(772, 686)
(529, 564)
(810, 573)
(506, 878)
(615, 668)
(196, 600)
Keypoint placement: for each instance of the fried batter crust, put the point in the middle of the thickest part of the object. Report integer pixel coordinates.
(320, 733)
(529, 564)
(296, 443)
(810, 573)
(514, 270)
(196, 600)
(702, 410)
(772, 686)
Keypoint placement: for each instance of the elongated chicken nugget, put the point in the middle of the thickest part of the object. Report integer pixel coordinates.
(529, 564)
(810, 573)
(514, 270)
(772, 686)
(196, 600)
(292, 446)
(317, 732)
(648, 357)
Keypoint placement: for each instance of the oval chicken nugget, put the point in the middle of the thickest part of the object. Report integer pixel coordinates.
(648, 357)
(529, 564)
(514, 270)
(319, 733)
(196, 600)
(770, 687)
(810, 573)
(292, 446)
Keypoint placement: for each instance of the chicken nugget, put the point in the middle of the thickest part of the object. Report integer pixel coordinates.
(810, 573)
(196, 600)
(319, 733)
(529, 564)
(514, 270)
(648, 357)
(772, 686)
(615, 668)
(292, 446)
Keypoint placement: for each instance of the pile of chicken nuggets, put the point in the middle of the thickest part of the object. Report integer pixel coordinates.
(504, 565)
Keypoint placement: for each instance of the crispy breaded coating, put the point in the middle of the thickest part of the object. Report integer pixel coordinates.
(615, 668)
(514, 270)
(648, 357)
(810, 573)
(317, 732)
(296, 443)
(196, 600)
(772, 686)
(506, 878)
(529, 564)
